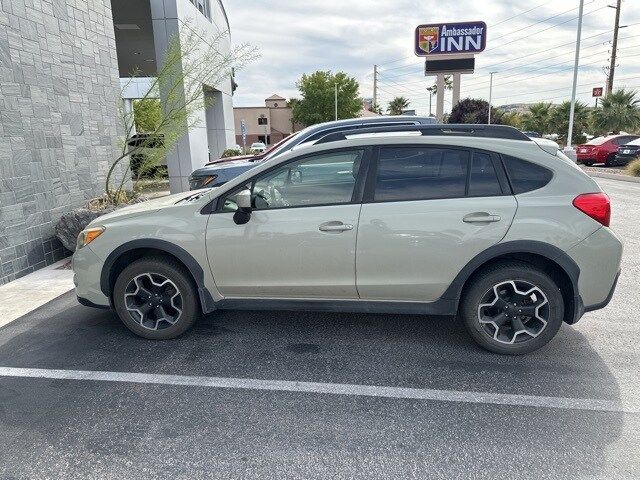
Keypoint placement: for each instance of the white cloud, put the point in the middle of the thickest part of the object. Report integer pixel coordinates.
(352, 35)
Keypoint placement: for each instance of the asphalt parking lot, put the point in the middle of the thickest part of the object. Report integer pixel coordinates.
(382, 396)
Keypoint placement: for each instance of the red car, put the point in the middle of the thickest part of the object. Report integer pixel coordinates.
(602, 149)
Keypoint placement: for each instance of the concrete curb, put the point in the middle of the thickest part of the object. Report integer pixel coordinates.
(613, 176)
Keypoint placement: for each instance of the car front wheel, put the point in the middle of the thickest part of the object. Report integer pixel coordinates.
(512, 308)
(155, 298)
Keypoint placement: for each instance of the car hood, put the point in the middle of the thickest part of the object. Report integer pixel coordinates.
(223, 166)
(232, 159)
(145, 207)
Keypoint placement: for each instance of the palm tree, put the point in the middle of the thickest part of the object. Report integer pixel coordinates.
(559, 121)
(619, 110)
(538, 118)
(397, 105)
(448, 85)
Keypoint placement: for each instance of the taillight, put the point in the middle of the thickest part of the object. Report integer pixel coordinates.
(596, 205)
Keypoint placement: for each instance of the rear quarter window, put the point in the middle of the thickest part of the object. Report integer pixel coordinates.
(525, 176)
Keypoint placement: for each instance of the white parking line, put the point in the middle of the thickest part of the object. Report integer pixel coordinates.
(590, 404)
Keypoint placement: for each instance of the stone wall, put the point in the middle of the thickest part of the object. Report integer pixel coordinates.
(59, 90)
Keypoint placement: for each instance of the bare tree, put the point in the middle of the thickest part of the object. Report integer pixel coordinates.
(191, 61)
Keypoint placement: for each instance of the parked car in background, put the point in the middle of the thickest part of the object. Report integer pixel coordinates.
(602, 149)
(628, 152)
(210, 176)
(532, 134)
(421, 219)
(257, 147)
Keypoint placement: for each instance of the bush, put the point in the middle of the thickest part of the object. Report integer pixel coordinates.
(231, 152)
(634, 168)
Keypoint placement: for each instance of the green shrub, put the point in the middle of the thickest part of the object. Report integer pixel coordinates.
(231, 152)
(634, 167)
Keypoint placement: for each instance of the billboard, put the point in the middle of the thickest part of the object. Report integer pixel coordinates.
(450, 38)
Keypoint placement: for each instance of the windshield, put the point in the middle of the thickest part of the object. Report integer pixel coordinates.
(283, 145)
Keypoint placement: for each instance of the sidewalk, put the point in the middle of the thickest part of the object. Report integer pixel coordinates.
(27, 293)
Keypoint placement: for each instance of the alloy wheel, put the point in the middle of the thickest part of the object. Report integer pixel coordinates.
(513, 311)
(153, 301)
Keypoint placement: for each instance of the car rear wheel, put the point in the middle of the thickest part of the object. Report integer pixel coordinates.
(610, 161)
(512, 308)
(155, 298)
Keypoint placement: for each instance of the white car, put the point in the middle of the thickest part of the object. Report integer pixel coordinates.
(476, 221)
(257, 147)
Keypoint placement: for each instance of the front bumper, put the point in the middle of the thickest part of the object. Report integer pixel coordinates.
(87, 267)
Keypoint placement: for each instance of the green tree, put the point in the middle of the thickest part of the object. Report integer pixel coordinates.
(397, 105)
(375, 108)
(317, 98)
(513, 119)
(539, 118)
(147, 113)
(472, 110)
(559, 121)
(618, 111)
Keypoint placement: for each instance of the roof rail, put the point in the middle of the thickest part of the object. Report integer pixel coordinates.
(453, 130)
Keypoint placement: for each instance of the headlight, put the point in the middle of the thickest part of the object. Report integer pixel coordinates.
(89, 235)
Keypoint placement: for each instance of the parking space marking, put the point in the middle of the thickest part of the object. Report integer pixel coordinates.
(563, 403)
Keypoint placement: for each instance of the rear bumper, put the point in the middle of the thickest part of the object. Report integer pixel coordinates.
(598, 257)
(622, 158)
(606, 301)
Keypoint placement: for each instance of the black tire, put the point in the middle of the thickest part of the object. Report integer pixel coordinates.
(157, 268)
(482, 285)
(610, 161)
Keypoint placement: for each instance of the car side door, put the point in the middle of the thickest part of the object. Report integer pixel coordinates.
(300, 239)
(427, 211)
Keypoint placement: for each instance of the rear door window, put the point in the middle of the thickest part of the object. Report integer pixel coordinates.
(420, 173)
(483, 180)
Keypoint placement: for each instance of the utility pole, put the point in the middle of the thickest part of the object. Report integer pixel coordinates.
(575, 75)
(614, 47)
(490, 95)
(336, 100)
(375, 87)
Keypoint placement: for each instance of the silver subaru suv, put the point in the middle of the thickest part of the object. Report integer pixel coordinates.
(474, 221)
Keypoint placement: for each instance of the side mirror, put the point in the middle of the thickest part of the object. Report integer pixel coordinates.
(243, 201)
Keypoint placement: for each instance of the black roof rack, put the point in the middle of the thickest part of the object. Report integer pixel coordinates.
(453, 130)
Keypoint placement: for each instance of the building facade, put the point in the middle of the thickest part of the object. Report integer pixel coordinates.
(268, 124)
(60, 67)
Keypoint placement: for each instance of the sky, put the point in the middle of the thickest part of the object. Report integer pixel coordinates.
(530, 46)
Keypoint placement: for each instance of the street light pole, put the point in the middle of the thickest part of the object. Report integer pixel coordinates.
(575, 75)
(490, 95)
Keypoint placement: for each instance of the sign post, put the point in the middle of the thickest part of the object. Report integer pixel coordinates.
(243, 131)
(597, 93)
(449, 48)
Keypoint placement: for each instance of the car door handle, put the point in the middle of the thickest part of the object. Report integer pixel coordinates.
(481, 217)
(335, 227)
